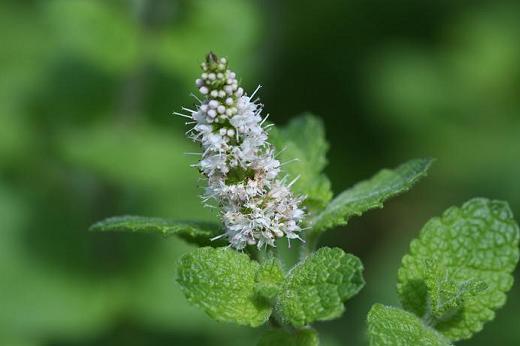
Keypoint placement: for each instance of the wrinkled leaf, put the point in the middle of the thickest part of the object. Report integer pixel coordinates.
(371, 193)
(221, 281)
(388, 326)
(269, 279)
(316, 289)
(474, 249)
(447, 296)
(198, 233)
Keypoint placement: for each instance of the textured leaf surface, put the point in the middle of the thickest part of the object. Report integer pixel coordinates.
(304, 139)
(269, 279)
(303, 337)
(446, 296)
(388, 326)
(198, 233)
(474, 250)
(371, 194)
(221, 281)
(316, 288)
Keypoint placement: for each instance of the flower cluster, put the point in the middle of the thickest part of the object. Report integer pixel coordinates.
(239, 163)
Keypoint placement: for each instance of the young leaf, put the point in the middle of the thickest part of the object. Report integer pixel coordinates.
(371, 193)
(388, 326)
(269, 279)
(198, 233)
(316, 288)
(221, 281)
(474, 249)
(302, 337)
(303, 140)
(446, 296)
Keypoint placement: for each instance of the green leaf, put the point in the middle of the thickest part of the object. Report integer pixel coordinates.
(221, 281)
(471, 247)
(388, 326)
(371, 193)
(198, 233)
(269, 279)
(316, 288)
(446, 296)
(303, 139)
(302, 337)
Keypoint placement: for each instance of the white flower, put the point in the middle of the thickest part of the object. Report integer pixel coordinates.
(239, 163)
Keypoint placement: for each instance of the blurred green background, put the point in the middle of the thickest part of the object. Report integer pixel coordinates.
(86, 93)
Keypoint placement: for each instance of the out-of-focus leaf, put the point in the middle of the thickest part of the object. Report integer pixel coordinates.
(199, 233)
(93, 30)
(476, 245)
(316, 289)
(388, 326)
(176, 50)
(149, 159)
(303, 140)
(371, 193)
(302, 337)
(130, 155)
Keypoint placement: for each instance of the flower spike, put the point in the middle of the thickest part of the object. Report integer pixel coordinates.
(242, 172)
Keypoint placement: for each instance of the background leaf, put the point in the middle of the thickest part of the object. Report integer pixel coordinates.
(221, 281)
(388, 326)
(86, 90)
(303, 337)
(194, 232)
(477, 242)
(316, 288)
(303, 139)
(371, 194)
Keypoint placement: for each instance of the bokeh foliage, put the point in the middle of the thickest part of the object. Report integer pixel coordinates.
(86, 92)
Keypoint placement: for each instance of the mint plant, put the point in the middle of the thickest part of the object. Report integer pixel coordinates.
(267, 183)
(454, 278)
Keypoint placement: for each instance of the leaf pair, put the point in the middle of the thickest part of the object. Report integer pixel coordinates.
(231, 287)
(454, 278)
(302, 145)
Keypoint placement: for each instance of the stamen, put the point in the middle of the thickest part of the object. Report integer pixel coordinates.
(182, 115)
(294, 181)
(218, 237)
(254, 92)
(281, 151)
(195, 97)
(287, 162)
(188, 110)
(265, 118)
